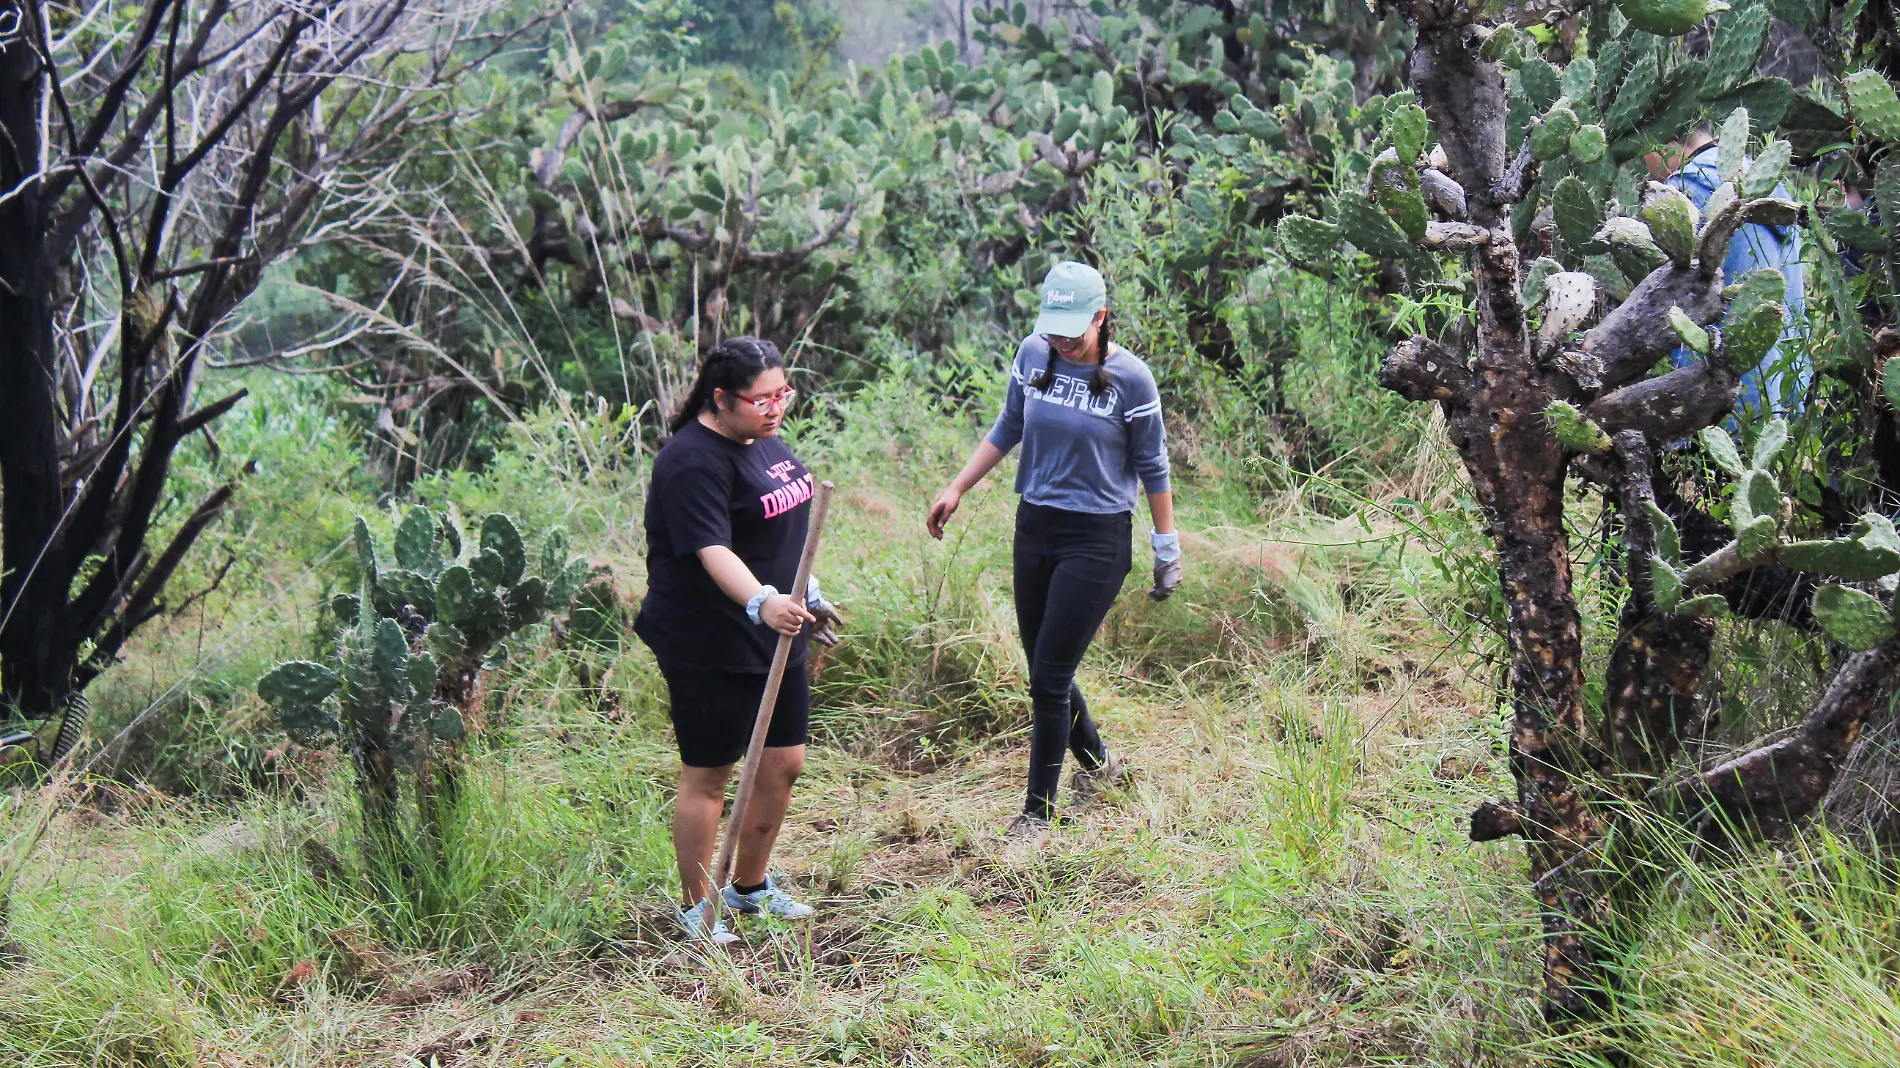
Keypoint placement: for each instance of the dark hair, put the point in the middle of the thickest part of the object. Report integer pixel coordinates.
(732, 365)
(1098, 382)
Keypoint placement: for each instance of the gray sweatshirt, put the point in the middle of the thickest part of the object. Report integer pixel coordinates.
(1083, 452)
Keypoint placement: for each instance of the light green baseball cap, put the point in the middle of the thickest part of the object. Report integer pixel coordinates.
(1071, 295)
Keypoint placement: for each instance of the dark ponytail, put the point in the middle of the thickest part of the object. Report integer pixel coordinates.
(732, 365)
(1099, 381)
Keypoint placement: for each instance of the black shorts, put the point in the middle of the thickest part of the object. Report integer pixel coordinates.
(713, 713)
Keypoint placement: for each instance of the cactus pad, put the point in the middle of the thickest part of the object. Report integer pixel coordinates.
(454, 594)
(1663, 531)
(1408, 129)
(1536, 277)
(500, 536)
(1633, 97)
(297, 684)
(400, 586)
(451, 538)
(1631, 246)
(1763, 285)
(1692, 335)
(1589, 143)
(1855, 619)
(553, 553)
(1668, 18)
(445, 642)
(1868, 553)
(487, 569)
(1305, 239)
(1609, 276)
(446, 723)
(1721, 449)
(1569, 298)
(1856, 230)
(1368, 228)
(1747, 338)
(1757, 535)
(1665, 585)
(1707, 606)
(1767, 446)
(1499, 43)
(596, 616)
(391, 650)
(365, 550)
(1542, 84)
(1577, 215)
(1574, 430)
(1765, 173)
(526, 601)
(561, 590)
(1672, 220)
(416, 539)
(1732, 149)
(1874, 105)
(1734, 49)
(1550, 138)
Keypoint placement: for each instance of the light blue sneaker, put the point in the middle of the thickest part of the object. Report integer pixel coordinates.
(771, 899)
(693, 920)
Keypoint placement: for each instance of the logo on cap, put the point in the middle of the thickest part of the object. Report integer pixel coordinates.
(1056, 296)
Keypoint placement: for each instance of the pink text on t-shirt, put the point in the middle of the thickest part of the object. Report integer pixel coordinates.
(786, 497)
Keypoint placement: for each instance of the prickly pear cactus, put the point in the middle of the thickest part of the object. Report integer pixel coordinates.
(469, 601)
(417, 636)
(1595, 297)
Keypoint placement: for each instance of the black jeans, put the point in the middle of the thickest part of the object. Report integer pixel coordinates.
(1069, 569)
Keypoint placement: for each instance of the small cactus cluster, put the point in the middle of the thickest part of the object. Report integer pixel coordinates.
(1757, 509)
(418, 631)
(1867, 554)
(385, 694)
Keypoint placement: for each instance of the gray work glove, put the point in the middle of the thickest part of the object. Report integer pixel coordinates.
(825, 631)
(1167, 549)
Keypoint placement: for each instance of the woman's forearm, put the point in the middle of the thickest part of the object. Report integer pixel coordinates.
(734, 579)
(1161, 507)
(981, 462)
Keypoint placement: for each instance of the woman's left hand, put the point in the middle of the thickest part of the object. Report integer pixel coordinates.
(1167, 578)
(825, 630)
(1167, 549)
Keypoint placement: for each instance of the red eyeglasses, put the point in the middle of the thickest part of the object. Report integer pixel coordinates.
(780, 400)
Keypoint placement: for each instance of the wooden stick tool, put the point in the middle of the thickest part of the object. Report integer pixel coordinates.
(768, 702)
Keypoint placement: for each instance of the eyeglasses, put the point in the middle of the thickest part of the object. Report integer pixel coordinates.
(780, 400)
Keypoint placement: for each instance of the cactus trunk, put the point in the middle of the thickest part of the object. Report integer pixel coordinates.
(1517, 467)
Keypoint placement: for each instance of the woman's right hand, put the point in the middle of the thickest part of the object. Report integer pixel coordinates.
(785, 614)
(941, 510)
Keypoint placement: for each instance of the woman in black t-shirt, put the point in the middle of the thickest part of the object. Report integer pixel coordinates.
(725, 517)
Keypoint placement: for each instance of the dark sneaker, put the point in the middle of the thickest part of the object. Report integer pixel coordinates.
(1087, 783)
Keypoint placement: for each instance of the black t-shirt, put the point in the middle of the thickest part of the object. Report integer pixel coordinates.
(710, 490)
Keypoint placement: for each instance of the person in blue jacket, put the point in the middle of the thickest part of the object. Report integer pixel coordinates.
(1779, 384)
(1087, 415)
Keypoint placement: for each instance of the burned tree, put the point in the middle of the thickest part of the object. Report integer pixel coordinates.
(1530, 397)
(156, 161)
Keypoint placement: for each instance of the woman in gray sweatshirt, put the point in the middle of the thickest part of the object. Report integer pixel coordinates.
(1088, 418)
